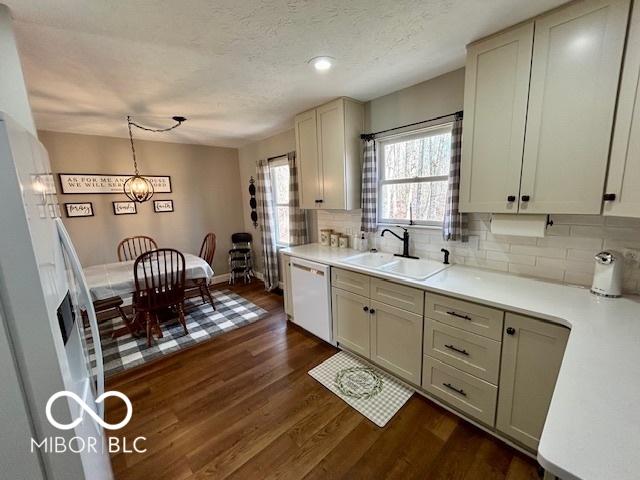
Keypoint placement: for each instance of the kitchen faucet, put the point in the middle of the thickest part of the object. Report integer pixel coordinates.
(405, 241)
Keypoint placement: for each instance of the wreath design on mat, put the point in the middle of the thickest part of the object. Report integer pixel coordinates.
(358, 382)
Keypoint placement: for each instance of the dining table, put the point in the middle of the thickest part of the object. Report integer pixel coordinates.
(117, 279)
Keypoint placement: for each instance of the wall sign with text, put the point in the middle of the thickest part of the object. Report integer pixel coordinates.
(160, 206)
(98, 183)
(84, 209)
(124, 208)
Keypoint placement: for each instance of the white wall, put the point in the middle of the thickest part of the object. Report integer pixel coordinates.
(13, 91)
(435, 97)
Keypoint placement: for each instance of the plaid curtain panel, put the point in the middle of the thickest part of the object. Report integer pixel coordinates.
(454, 226)
(297, 216)
(268, 228)
(369, 187)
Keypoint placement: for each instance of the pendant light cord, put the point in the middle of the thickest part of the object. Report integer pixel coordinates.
(177, 119)
(133, 149)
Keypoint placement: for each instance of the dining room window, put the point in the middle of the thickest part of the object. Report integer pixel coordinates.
(413, 176)
(280, 190)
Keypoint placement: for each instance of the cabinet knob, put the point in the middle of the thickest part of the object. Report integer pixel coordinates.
(609, 197)
(366, 309)
(511, 198)
(511, 331)
(372, 311)
(526, 198)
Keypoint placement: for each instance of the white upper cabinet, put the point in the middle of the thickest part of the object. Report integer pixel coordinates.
(329, 155)
(554, 127)
(624, 167)
(577, 54)
(495, 113)
(307, 149)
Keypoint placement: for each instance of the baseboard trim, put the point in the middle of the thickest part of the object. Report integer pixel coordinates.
(224, 278)
(219, 279)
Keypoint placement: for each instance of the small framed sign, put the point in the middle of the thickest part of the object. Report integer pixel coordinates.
(124, 208)
(161, 206)
(79, 209)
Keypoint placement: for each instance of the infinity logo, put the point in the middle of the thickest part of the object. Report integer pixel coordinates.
(86, 408)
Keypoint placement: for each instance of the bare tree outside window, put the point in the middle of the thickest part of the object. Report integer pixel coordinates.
(414, 172)
(280, 189)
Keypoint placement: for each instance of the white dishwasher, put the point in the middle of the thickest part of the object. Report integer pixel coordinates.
(311, 297)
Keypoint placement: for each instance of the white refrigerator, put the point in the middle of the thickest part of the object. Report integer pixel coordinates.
(42, 344)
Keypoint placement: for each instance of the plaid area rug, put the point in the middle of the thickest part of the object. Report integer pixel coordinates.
(125, 352)
(370, 391)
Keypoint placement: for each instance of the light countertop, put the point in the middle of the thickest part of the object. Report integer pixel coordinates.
(592, 429)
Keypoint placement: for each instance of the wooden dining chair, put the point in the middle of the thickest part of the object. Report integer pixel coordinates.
(160, 283)
(132, 247)
(207, 251)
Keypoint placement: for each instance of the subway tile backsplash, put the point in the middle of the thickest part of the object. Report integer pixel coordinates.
(564, 255)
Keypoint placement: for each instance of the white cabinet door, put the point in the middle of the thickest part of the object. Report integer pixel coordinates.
(577, 55)
(307, 155)
(495, 111)
(351, 321)
(532, 352)
(623, 180)
(396, 341)
(331, 154)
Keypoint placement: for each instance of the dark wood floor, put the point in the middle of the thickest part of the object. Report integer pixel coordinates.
(242, 406)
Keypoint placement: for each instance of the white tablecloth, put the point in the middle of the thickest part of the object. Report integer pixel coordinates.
(113, 279)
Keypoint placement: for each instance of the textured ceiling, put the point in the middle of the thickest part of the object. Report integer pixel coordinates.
(237, 69)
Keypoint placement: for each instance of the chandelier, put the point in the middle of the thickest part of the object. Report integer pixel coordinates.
(138, 188)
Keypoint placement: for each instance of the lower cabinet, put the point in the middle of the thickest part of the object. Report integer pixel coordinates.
(532, 353)
(500, 373)
(396, 340)
(387, 335)
(351, 321)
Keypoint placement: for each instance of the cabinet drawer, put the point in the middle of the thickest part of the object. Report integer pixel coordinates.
(406, 298)
(470, 395)
(471, 353)
(350, 281)
(474, 318)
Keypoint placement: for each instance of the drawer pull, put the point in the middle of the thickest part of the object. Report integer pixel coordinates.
(463, 351)
(451, 387)
(454, 314)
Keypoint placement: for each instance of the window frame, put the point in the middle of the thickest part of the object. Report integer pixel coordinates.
(274, 163)
(403, 137)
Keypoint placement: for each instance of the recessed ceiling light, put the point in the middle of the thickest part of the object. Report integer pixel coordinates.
(321, 64)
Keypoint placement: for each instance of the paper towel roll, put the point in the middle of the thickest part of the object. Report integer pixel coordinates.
(521, 225)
